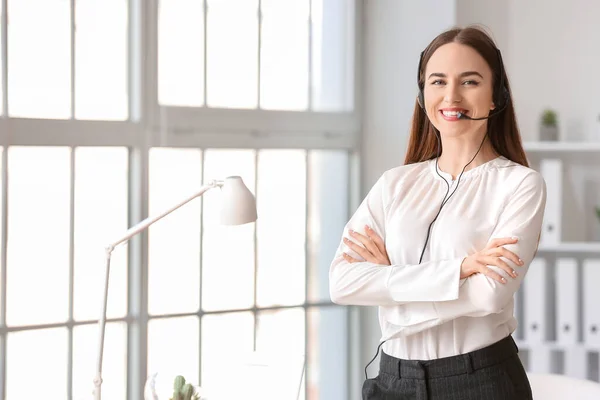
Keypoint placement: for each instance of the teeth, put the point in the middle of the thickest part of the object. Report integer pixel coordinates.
(450, 113)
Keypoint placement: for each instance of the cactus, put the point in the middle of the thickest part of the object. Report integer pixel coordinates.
(183, 391)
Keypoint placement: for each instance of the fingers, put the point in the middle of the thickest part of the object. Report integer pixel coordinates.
(366, 241)
(490, 273)
(502, 242)
(349, 258)
(376, 239)
(502, 252)
(500, 263)
(361, 251)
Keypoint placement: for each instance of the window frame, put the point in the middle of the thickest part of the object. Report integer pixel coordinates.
(151, 125)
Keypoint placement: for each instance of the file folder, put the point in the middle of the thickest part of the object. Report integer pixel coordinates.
(551, 170)
(591, 302)
(536, 316)
(535, 292)
(567, 301)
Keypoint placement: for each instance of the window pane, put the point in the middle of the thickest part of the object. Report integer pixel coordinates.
(232, 53)
(114, 363)
(39, 358)
(281, 202)
(228, 251)
(282, 332)
(181, 52)
(174, 242)
(39, 65)
(100, 219)
(284, 55)
(173, 349)
(225, 339)
(38, 232)
(333, 43)
(101, 59)
(327, 353)
(328, 213)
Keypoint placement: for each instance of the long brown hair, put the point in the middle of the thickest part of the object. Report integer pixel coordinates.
(502, 130)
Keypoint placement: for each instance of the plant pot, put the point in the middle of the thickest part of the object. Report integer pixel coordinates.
(548, 133)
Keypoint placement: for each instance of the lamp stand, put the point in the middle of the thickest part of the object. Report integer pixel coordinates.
(134, 230)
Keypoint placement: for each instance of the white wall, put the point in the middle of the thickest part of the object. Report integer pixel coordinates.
(492, 14)
(552, 52)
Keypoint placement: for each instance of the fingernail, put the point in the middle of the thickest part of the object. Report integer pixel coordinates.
(345, 239)
(351, 231)
(515, 273)
(367, 227)
(521, 261)
(503, 280)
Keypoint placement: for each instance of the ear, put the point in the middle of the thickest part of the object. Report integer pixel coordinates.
(492, 107)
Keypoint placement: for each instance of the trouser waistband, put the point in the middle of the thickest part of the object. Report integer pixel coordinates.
(449, 366)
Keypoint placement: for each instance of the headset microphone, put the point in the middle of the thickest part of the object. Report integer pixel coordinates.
(460, 115)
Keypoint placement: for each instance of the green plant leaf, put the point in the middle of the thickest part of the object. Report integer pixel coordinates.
(549, 118)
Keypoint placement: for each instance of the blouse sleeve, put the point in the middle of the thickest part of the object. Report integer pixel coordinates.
(365, 283)
(479, 295)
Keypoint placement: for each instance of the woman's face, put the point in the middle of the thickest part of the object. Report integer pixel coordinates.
(457, 78)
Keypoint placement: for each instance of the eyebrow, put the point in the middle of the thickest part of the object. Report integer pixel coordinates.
(462, 75)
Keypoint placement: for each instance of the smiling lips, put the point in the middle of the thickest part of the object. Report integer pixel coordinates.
(451, 114)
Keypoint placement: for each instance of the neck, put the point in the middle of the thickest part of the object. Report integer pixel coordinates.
(458, 152)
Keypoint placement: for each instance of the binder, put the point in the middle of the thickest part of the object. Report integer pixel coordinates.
(567, 301)
(536, 316)
(518, 314)
(551, 170)
(591, 302)
(535, 293)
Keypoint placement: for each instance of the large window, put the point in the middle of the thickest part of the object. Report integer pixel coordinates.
(112, 111)
(273, 54)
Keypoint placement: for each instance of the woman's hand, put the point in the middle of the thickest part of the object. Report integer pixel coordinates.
(372, 249)
(478, 262)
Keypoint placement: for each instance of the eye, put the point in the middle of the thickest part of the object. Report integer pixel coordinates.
(437, 82)
(471, 83)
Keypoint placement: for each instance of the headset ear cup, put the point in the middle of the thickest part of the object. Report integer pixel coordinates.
(506, 96)
(502, 98)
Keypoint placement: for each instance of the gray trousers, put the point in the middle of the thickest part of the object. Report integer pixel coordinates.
(491, 373)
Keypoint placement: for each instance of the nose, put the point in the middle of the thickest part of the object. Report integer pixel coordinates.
(452, 94)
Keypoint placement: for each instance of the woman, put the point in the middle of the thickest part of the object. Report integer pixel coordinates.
(442, 243)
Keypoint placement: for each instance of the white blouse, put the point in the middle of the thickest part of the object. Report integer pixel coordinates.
(425, 310)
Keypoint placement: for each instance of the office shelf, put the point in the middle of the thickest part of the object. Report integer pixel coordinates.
(562, 147)
(571, 247)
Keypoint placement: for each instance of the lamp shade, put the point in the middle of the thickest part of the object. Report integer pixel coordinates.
(238, 205)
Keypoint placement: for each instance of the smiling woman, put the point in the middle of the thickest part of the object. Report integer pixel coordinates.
(442, 243)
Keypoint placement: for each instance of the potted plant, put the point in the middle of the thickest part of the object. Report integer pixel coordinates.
(549, 126)
(183, 391)
(180, 390)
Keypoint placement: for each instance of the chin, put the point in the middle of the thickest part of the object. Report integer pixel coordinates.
(451, 130)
